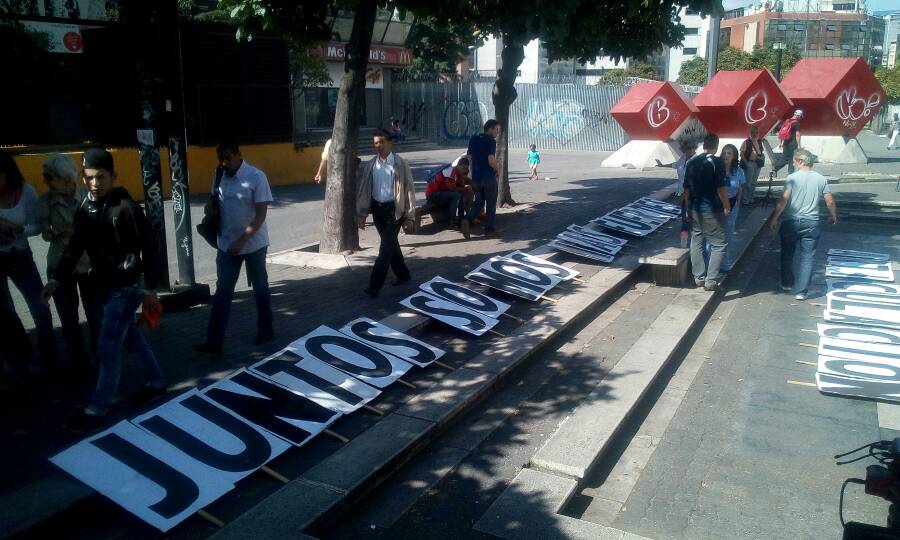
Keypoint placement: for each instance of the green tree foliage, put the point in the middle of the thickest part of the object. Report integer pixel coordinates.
(694, 71)
(438, 47)
(637, 69)
(890, 81)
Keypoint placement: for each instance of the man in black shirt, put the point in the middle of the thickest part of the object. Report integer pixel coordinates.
(706, 203)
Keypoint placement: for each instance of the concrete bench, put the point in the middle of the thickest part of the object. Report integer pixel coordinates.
(669, 266)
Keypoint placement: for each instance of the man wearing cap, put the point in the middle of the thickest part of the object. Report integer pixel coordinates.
(790, 145)
(111, 227)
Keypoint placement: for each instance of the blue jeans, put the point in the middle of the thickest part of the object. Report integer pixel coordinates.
(453, 201)
(118, 328)
(805, 234)
(228, 269)
(18, 266)
(707, 227)
(485, 194)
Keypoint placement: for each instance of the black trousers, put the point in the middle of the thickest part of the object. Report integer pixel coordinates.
(389, 253)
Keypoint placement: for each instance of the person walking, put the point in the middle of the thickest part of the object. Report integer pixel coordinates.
(895, 130)
(386, 190)
(789, 140)
(111, 227)
(752, 160)
(449, 188)
(482, 154)
(706, 200)
(18, 221)
(56, 211)
(688, 149)
(798, 210)
(322, 171)
(734, 177)
(534, 159)
(244, 195)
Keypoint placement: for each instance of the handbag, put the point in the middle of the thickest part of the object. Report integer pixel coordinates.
(211, 224)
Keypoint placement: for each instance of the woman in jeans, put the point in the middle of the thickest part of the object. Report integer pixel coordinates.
(734, 175)
(18, 221)
(56, 209)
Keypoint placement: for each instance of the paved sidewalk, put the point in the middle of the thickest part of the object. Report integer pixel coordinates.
(303, 298)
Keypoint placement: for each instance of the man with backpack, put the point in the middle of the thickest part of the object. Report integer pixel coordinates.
(448, 187)
(789, 140)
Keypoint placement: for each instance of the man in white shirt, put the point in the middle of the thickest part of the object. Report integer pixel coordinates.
(386, 190)
(244, 195)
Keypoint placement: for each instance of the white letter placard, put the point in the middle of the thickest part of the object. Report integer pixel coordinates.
(865, 388)
(143, 474)
(513, 278)
(873, 371)
(884, 307)
(542, 265)
(293, 417)
(458, 294)
(316, 380)
(212, 435)
(392, 341)
(612, 241)
(862, 286)
(880, 274)
(839, 317)
(859, 263)
(858, 350)
(450, 313)
(672, 210)
(581, 250)
(868, 334)
(363, 361)
(853, 254)
(625, 225)
(587, 242)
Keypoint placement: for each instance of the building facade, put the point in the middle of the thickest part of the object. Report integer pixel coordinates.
(820, 34)
(891, 39)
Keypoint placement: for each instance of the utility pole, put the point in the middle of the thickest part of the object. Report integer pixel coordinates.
(713, 47)
(779, 49)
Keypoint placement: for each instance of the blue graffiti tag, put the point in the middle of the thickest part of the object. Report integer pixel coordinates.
(561, 119)
(462, 119)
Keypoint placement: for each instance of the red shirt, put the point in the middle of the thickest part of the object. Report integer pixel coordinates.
(445, 180)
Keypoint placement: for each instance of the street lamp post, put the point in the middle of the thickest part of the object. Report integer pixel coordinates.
(779, 49)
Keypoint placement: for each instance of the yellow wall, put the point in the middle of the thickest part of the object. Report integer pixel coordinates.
(282, 164)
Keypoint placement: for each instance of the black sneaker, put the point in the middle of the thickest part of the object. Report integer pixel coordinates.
(264, 335)
(373, 293)
(209, 348)
(83, 422)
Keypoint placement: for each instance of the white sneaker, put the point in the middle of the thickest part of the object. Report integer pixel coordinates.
(800, 296)
(785, 289)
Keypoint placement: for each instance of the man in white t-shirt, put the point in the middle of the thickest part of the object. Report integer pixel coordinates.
(244, 195)
(800, 227)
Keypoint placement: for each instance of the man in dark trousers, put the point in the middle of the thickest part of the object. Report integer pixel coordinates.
(244, 196)
(482, 156)
(113, 230)
(706, 201)
(386, 190)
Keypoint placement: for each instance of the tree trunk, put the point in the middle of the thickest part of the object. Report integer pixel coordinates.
(339, 232)
(503, 95)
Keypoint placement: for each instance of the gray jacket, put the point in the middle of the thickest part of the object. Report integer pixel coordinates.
(404, 189)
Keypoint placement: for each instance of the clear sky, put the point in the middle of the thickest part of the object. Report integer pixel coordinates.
(874, 5)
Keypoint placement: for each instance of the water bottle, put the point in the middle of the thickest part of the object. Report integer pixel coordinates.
(684, 239)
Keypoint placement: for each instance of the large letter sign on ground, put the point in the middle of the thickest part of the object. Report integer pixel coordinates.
(513, 278)
(144, 474)
(862, 286)
(837, 95)
(212, 435)
(391, 341)
(352, 356)
(733, 101)
(547, 267)
(450, 313)
(316, 380)
(884, 307)
(465, 297)
(655, 111)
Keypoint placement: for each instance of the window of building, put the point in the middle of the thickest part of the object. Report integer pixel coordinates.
(782, 27)
(799, 27)
(690, 50)
(691, 31)
(813, 46)
(829, 46)
(830, 27)
(845, 47)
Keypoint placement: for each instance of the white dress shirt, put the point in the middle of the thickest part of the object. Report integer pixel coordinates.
(383, 179)
(238, 196)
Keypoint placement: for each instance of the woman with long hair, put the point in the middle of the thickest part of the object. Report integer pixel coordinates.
(734, 175)
(18, 221)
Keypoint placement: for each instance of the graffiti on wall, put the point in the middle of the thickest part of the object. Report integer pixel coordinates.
(755, 108)
(462, 119)
(560, 119)
(851, 108)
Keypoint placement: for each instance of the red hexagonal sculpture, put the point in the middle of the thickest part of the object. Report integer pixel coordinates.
(838, 96)
(735, 100)
(654, 111)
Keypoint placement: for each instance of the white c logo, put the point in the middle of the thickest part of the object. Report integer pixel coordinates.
(753, 114)
(851, 108)
(657, 112)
